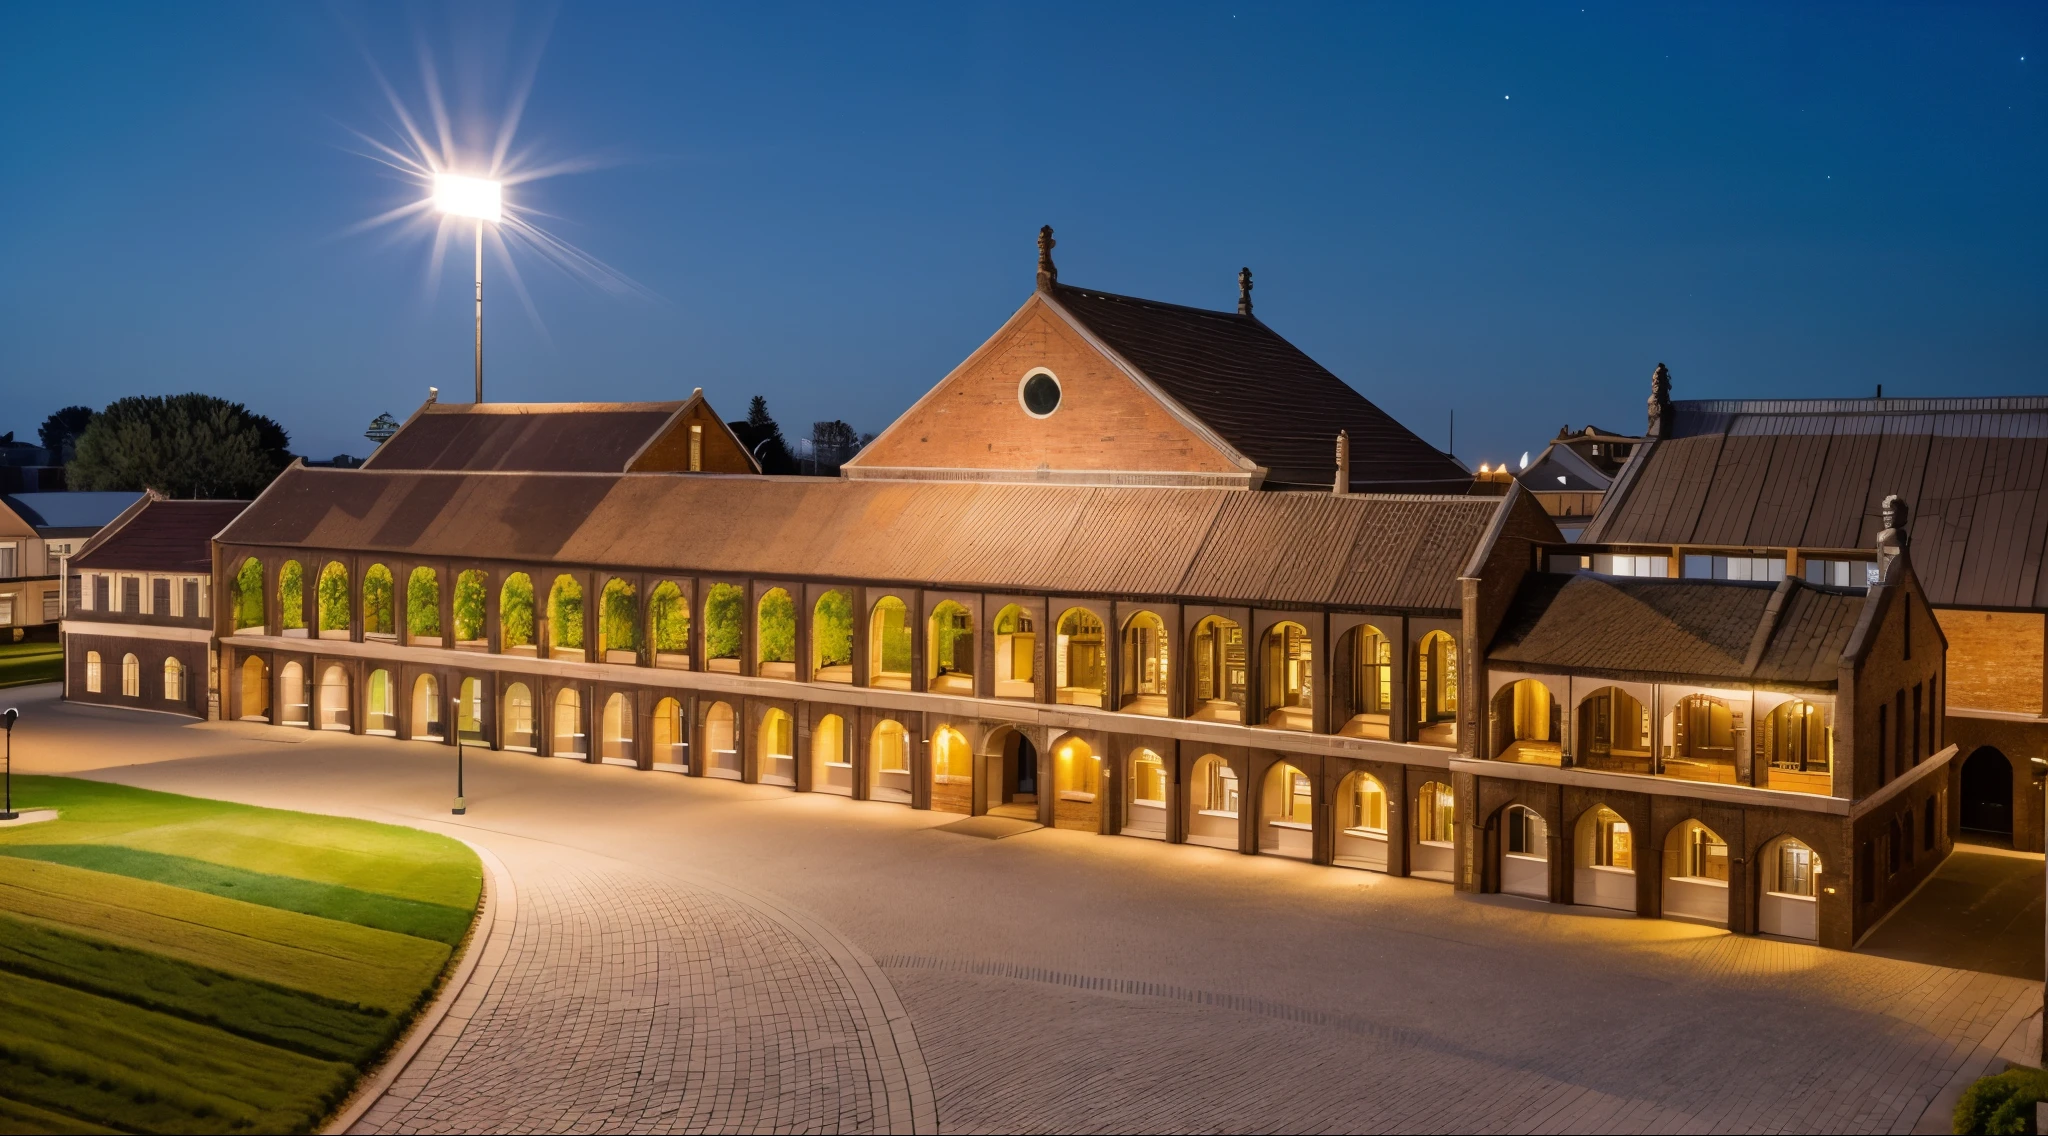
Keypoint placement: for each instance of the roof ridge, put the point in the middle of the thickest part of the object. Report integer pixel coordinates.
(1235, 317)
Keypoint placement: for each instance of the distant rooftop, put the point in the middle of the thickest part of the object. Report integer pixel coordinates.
(86, 511)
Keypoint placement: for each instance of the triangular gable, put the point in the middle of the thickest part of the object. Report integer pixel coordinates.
(718, 448)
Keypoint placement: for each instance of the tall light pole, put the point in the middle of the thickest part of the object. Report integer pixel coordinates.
(479, 199)
(455, 709)
(7, 805)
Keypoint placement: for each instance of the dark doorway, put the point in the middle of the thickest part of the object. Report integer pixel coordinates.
(1013, 788)
(1987, 793)
(1026, 761)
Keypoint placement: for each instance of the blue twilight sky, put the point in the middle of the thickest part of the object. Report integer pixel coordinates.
(1510, 211)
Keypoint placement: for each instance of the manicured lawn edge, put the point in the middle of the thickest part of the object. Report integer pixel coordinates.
(378, 1077)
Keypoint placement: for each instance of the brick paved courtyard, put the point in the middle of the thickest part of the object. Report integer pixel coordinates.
(681, 954)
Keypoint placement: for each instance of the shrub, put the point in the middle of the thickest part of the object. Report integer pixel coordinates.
(778, 627)
(565, 613)
(469, 606)
(515, 611)
(671, 618)
(377, 591)
(2003, 1103)
(333, 597)
(249, 594)
(291, 595)
(724, 611)
(833, 629)
(423, 604)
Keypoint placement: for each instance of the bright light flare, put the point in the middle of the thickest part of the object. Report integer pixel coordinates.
(478, 198)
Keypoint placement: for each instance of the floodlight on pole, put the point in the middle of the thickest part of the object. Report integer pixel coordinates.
(479, 199)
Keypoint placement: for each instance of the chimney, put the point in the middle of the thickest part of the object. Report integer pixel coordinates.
(1892, 539)
(1244, 291)
(433, 395)
(1047, 274)
(1343, 486)
(1660, 402)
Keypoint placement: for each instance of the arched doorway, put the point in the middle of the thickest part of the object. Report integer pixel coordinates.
(778, 749)
(255, 690)
(1524, 853)
(469, 710)
(1362, 822)
(1289, 674)
(665, 735)
(426, 708)
(1699, 740)
(889, 763)
(1016, 654)
(1078, 659)
(952, 772)
(1604, 866)
(1146, 814)
(1287, 813)
(1212, 803)
(570, 738)
(831, 772)
(1696, 874)
(616, 741)
(380, 704)
(1013, 788)
(291, 691)
(518, 717)
(1432, 848)
(721, 748)
(1526, 724)
(1987, 793)
(1218, 671)
(334, 698)
(1077, 786)
(1788, 905)
(1614, 732)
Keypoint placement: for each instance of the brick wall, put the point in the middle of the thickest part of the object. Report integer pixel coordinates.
(1994, 660)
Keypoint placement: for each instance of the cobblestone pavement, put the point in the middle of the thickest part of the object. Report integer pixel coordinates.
(704, 955)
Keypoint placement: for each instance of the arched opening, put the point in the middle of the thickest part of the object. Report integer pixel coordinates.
(423, 607)
(570, 739)
(1604, 865)
(618, 625)
(469, 710)
(1431, 848)
(668, 618)
(1614, 732)
(1436, 689)
(889, 762)
(721, 743)
(1212, 803)
(255, 690)
(519, 732)
(831, 772)
(333, 702)
(665, 736)
(889, 645)
(1218, 671)
(1080, 675)
(616, 735)
(1696, 874)
(1016, 654)
(291, 690)
(1287, 813)
(515, 615)
(472, 630)
(174, 680)
(427, 711)
(1014, 791)
(380, 704)
(331, 601)
(1799, 744)
(725, 608)
(832, 638)
(1789, 904)
(246, 591)
(1362, 822)
(1524, 853)
(95, 683)
(131, 679)
(952, 772)
(1699, 740)
(1289, 677)
(1146, 667)
(1527, 724)
(291, 599)
(950, 649)
(1077, 786)
(565, 619)
(379, 621)
(777, 737)
(1987, 794)
(1145, 814)
(1368, 708)
(775, 632)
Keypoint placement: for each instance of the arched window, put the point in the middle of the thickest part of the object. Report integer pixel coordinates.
(333, 698)
(1604, 863)
(721, 742)
(1212, 803)
(1436, 688)
(1526, 724)
(1016, 654)
(1146, 672)
(1696, 873)
(952, 772)
(889, 644)
(665, 733)
(332, 601)
(131, 676)
(1699, 740)
(831, 772)
(518, 717)
(1361, 839)
(776, 631)
(1791, 878)
(1435, 814)
(1079, 675)
(378, 619)
(291, 691)
(889, 762)
(668, 615)
(1369, 701)
(570, 739)
(617, 739)
(1614, 732)
(469, 710)
(1800, 747)
(423, 607)
(427, 712)
(1289, 678)
(618, 626)
(565, 618)
(1077, 785)
(380, 704)
(471, 628)
(950, 666)
(247, 589)
(725, 607)
(1147, 814)
(174, 680)
(515, 615)
(93, 680)
(1286, 813)
(255, 690)
(832, 638)
(1219, 669)
(778, 749)
(291, 598)
(1524, 853)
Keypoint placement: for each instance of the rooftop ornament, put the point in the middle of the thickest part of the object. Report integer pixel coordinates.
(1048, 275)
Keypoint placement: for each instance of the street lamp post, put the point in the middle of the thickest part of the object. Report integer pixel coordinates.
(7, 720)
(455, 720)
(479, 199)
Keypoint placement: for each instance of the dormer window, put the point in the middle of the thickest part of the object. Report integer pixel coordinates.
(1040, 393)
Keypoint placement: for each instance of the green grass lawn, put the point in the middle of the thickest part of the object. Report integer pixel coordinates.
(23, 663)
(173, 964)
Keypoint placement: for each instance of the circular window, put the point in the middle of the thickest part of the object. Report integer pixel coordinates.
(1040, 394)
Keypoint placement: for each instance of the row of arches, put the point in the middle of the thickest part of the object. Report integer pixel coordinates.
(174, 683)
(1699, 736)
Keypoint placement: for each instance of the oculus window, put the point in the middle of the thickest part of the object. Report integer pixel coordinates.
(1040, 394)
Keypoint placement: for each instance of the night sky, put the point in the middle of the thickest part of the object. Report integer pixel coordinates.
(1511, 212)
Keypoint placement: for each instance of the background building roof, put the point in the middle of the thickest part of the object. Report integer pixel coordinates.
(69, 513)
(161, 536)
(550, 437)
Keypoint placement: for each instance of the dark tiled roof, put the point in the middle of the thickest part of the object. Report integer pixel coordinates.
(1812, 474)
(1371, 551)
(1672, 630)
(162, 536)
(71, 512)
(554, 437)
(1276, 405)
